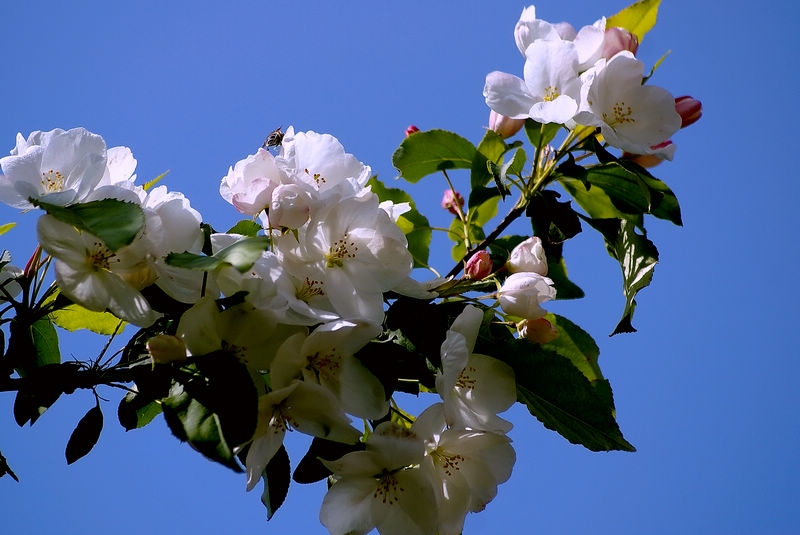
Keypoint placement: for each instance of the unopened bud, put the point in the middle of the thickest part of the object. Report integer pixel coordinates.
(451, 201)
(166, 348)
(479, 266)
(539, 331)
(503, 125)
(528, 256)
(290, 206)
(618, 39)
(690, 110)
(411, 130)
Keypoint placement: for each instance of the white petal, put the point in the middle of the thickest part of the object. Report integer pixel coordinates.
(507, 95)
(347, 505)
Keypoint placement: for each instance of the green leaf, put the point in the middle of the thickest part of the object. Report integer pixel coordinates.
(480, 195)
(276, 478)
(155, 181)
(483, 213)
(310, 469)
(192, 422)
(241, 255)
(490, 149)
(136, 410)
(565, 288)
(245, 227)
(637, 18)
(554, 222)
(426, 153)
(115, 222)
(45, 343)
(5, 258)
(85, 435)
(413, 224)
(517, 163)
(538, 135)
(5, 469)
(623, 190)
(560, 396)
(5, 228)
(74, 317)
(637, 256)
(576, 345)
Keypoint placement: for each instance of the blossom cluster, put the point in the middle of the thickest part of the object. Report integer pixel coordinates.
(589, 77)
(310, 303)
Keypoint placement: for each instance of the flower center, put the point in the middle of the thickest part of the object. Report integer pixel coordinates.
(622, 114)
(449, 463)
(311, 288)
(324, 365)
(340, 250)
(318, 179)
(101, 257)
(52, 181)
(389, 488)
(465, 380)
(551, 93)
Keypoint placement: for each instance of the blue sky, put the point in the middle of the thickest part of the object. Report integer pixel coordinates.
(706, 390)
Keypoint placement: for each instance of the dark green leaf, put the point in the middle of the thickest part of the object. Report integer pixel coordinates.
(310, 469)
(115, 222)
(560, 396)
(241, 255)
(481, 194)
(191, 421)
(575, 344)
(426, 153)
(496, 171)
(5, 469)
(637, 256)
(423, 324)
(621, 190)
(136, 410)
(553, 222)
(565, 288)
(42, 388)
(45, 343)
(276, 478)
(540, 135)
(396, 367)
(413, 224)
(245, 227)
(85, 435)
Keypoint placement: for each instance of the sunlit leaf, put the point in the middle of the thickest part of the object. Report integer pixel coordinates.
(5, 228)
(155, 181)
(425, 153)
(241, 255)
(245, 227)
(637, 256)
(413, 224)
(115, 222)
(637, 18)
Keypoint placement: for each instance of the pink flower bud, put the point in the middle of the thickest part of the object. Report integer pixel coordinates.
(450, 200)
(479, 266)
(411, 130)
(619, 39)
(689, 109)
(539, 331)
(503, 125)
(165, 348)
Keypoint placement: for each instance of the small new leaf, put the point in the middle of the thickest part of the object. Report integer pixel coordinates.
(85, 435)
(115, 222)
(277, 479)
(638, 18)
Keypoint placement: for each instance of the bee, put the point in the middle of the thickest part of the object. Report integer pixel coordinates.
(274, 138)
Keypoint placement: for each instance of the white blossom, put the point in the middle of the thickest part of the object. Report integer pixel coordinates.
(523, 293)
(59, 167)
(528, 256)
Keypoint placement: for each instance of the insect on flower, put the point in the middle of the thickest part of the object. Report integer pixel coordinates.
(274, 138)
